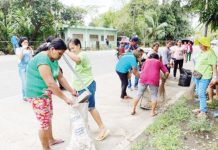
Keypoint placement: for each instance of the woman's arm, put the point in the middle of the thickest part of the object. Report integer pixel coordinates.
(214, 78)
(19, 53)
(73, 56)
(65, 84)
(45, 72)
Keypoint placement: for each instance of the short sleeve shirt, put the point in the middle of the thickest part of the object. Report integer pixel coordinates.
(126, 63)
(36, 86)
(204, 62)
(84, 70)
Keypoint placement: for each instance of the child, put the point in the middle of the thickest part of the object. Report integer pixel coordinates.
(150, 76)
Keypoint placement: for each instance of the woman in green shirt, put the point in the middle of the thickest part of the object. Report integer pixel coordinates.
(42, 73)
(206, 65)
(83, 68)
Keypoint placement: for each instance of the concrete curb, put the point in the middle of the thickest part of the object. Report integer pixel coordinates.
(127, 143)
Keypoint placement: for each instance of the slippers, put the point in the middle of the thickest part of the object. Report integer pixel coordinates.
(106, 133)
(153, 115)
(133, 113)
(57, 142)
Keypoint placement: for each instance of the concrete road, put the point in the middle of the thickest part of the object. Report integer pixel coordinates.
(18, 125)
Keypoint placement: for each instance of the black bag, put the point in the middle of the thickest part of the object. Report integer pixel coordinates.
(185, 78)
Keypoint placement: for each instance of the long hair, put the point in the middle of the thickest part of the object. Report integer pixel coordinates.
(21, 41)
(57, 43)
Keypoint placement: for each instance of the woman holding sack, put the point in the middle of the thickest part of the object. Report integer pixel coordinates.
(42, 73)
(83, 68)
(205, 73)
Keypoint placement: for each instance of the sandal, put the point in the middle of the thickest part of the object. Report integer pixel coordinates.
(133, 113)
(100, 138)
(57, 142)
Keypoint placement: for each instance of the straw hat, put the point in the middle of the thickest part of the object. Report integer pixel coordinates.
(204, 41)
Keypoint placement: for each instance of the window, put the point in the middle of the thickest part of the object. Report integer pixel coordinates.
(93, 37)
(78, 36)
(110, 37)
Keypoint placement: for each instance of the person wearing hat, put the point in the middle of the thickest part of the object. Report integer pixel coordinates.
(133, 44)
(205, 73)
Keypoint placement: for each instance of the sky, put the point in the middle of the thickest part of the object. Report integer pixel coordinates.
(101, 6)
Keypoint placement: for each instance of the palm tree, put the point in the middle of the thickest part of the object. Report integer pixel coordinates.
(154, 30)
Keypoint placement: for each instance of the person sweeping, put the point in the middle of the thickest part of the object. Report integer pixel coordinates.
(150, 76)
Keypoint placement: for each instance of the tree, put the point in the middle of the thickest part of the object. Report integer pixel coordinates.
(208, 11)
(154, 30)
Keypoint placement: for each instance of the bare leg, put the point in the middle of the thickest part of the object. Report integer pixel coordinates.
(135, 103)
(52, 140)
(210, 93)
(96, 116)
(43, 135)
(153, 108)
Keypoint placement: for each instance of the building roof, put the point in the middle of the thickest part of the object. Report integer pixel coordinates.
(89, 28)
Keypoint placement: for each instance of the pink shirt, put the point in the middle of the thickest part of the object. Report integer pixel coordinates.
(178, 52)
(150, 72)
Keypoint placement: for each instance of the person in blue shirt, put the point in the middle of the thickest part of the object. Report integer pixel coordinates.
(126, 63)
(133, 45)
(14, 43)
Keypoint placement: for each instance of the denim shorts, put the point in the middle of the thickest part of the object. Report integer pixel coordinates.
(91, 99)
(143, 87)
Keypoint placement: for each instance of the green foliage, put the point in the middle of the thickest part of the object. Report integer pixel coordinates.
(139, 146)
(177, 113)
(199, 124)
(36, 19)
(208, 11)
(168, 139)
(149, 20)
(213, 105)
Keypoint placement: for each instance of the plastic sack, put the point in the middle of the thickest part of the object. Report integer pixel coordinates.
(185, 78)
(80, 139)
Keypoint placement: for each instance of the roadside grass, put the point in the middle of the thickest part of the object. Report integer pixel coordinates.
(171, 129)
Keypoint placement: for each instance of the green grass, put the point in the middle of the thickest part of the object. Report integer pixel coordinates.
(164, 133)
(175, 114)
(199, 125)
(213, 105)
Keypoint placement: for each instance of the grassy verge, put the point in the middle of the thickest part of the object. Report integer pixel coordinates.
(178, 129)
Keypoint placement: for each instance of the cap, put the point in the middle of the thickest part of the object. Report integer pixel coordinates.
(135, 39)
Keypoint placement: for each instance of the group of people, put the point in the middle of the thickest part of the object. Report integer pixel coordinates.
(147, 67)
(39, 73)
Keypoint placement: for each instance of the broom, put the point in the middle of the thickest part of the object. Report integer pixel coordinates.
(190, 95)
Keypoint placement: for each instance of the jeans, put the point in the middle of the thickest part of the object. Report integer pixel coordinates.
(201, 88)
(124, 83)
(22, 74)
(91, 99)
(188, 56)
(176, 64)
(135, 83)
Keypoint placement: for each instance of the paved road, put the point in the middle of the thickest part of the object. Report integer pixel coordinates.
(18, 125)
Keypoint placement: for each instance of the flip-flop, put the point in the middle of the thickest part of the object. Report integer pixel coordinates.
(133, 113)
(215, 115)
(57, 142)
(153, 115)
(106, 133)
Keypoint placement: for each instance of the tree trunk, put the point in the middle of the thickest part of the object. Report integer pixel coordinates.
(206, 29)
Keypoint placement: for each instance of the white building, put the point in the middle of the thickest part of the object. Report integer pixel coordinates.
(90, 36)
